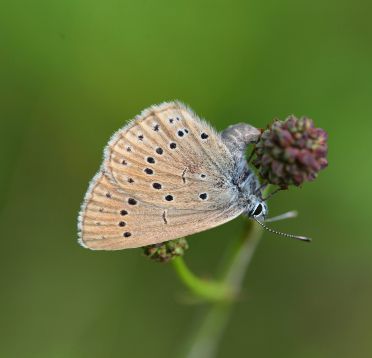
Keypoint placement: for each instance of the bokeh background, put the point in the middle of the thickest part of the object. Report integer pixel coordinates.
(72, 72)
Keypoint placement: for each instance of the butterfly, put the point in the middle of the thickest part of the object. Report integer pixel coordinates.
(168, 174)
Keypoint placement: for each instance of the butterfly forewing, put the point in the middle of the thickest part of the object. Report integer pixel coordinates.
(169, 157)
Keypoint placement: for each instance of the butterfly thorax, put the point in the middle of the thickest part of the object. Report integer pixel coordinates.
(237, 137)
(248, 187)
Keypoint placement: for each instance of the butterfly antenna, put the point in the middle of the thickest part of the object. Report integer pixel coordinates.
(302, 238)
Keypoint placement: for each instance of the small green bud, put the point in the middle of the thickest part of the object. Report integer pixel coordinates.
(166, 251)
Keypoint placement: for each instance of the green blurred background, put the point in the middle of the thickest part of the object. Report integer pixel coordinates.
(72, 72)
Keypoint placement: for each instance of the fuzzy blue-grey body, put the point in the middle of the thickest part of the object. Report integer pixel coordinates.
(237, 137)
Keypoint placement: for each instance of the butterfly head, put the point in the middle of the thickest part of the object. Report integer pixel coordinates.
(257, 208)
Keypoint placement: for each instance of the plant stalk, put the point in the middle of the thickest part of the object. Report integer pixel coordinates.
(223, 293)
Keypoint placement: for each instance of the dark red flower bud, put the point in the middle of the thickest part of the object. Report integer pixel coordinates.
(291, 152)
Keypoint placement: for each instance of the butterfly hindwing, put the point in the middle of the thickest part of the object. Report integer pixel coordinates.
(111, 219)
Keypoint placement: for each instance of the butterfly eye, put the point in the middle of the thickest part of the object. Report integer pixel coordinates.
(258, 210)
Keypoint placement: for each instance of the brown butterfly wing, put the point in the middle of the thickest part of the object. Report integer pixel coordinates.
(111, 219)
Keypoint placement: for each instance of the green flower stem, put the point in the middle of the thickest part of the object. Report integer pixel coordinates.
(207, 290)
(243, 251)
(229, 286)
(205, 339)
(204, 342)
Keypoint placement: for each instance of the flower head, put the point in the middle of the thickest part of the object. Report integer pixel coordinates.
(291, 152)
(166, 251)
